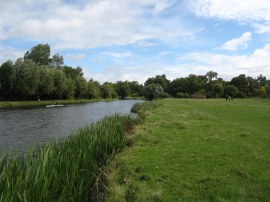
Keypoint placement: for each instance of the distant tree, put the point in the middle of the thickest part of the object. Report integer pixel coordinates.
(122, 89)
(263, 91)
(46, 84)
(73, 72)
(231, 90)
(261, 81)
(179, 85)
(93, 89)
(251, 86)
(159, 79)
(7, 80)
(60, 84)
(153, 91)
(135, 88)
(108, 90)
(57, 61)
(27, 79)
(39, 54)
(211, 75)
(241, 83)
(217, 90)
(194, 84)
(80, 87)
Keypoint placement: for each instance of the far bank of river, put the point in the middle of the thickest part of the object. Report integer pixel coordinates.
(21, 128)
(25, 104)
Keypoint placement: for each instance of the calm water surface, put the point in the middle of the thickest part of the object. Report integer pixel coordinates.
(21, 128)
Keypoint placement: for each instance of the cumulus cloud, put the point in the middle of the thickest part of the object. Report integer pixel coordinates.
(235, 44)
(253, 12)
(229, 66)
(87, 24)
(256, 10)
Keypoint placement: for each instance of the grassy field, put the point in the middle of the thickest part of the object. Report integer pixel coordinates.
(10, 104)
(196, 150)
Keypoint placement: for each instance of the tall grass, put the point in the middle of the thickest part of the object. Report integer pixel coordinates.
(65, 170)
(144, 106)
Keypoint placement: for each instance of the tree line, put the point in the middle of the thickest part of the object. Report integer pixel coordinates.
(38, 75)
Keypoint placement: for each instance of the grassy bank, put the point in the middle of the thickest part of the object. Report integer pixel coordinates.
(65, 171)
(197, 150)
(14, 104)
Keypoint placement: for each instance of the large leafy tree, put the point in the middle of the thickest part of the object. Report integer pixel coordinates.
(27, 79)
(153, 91)
(211, 75)
(241, 82)
(7, 80)
(231, 90)
(40, 54)
(122, 89)
(159, 79)
(93, 89)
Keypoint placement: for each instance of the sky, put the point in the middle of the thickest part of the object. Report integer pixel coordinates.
(133, 40)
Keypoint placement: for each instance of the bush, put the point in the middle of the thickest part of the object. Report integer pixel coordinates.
(180, 95)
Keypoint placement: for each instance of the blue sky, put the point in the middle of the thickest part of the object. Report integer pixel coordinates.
(136, 39)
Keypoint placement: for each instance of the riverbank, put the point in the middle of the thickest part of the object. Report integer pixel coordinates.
(23, 104)
(65, 170)
(196, 150)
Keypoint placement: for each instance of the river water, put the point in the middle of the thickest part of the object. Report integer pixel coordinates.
(22, 128)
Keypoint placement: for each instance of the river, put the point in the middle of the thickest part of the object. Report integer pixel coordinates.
(22, 128)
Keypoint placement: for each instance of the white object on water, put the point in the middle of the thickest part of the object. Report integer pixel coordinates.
(54, 105)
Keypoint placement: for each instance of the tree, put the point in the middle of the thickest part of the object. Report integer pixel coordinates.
(217, 90)
(153, 91)
(193, 84)
(179, 85)
(27, 79)
(73, 72)
(80, 87)
(211, 75)
(7, 80)
(122, 89)
(159, 79)
(241, 83)
(261, 81)
(46, 84)
(93, 89)
(231, 90)
(108, 90)
(39, 54)
(57, 61)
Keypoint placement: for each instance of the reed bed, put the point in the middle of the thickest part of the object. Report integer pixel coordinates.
(64, 170)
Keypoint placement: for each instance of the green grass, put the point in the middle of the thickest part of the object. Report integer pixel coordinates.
(196, 150)
(68, 170)
(12, 104)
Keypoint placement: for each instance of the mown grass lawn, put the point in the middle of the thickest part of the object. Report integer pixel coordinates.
(197, 150)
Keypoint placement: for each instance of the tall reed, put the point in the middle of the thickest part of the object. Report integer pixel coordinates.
(64, 170)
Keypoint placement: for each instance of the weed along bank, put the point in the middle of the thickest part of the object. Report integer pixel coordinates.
(67, 169)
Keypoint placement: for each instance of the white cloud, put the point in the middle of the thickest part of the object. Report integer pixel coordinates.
(199, 63)
(229, 66)
(255, 13)
(89, 24)
(235, 44)
(255, 10)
